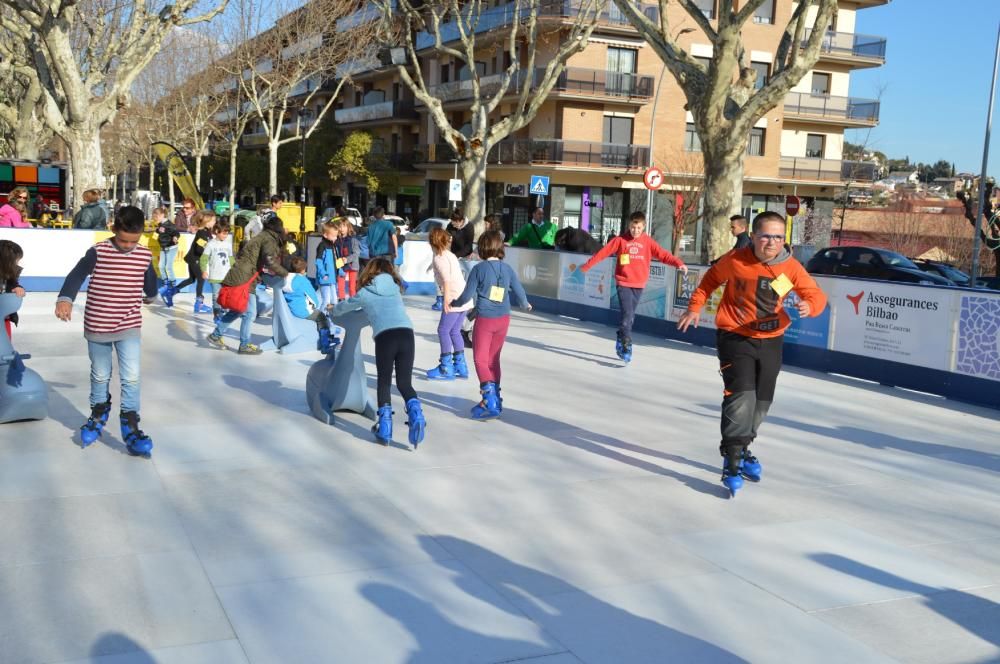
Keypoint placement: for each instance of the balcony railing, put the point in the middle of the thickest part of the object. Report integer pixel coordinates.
(810, 168)
(851, 44)
(858, 171)
(826, 106)
(574, 80)
(556, 152)
(504, 15)
(386, 110)
(397, 161)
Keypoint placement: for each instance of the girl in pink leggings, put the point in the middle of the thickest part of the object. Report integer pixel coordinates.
(494, 285)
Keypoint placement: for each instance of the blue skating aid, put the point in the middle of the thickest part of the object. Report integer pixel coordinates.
(383, 425)
(23, 394)
(92, 428)
(136, 442)
(415, 420)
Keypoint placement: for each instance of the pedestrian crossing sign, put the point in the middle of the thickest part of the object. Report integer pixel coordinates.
(539, 185)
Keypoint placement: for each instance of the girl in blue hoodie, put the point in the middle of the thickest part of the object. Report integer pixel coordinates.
(380, 295)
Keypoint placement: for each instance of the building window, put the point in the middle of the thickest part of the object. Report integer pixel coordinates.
(815, 144)
(765, 13)
(622, 63)
(707, 7)
(444, 73)
(755, 146)
(618, 131)
(820, 83)
(702, 60)
(692, 142)
(763, 70)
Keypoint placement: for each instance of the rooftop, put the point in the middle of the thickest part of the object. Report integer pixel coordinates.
(587, 525)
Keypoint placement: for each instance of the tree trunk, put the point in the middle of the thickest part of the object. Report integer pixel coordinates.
(152, 170)
(85, 160)
(272, 167)
(197, 172)
(723, 198)
(25, 142)
(473, 169)
(232, 176)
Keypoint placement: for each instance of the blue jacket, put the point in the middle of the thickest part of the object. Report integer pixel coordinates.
(301, 291)
(326, 263)
(482, 278)
(382, 303)
(380, 238)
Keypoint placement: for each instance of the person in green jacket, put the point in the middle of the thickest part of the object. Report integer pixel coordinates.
(539, 234)
(92, 215)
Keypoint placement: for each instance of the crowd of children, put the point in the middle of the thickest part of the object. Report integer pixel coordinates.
(122, 278)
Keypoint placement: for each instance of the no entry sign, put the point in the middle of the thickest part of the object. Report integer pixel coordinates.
(652, 178)
(792, 205)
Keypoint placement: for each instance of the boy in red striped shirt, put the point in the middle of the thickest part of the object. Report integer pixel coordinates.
(635, 252)
(121, 274)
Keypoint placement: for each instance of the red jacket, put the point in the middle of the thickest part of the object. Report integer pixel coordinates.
(634, 256)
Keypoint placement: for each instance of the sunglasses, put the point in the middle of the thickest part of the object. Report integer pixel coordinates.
(771, 238)
(22, 198)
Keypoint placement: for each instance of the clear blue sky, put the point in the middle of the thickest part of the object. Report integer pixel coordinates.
(939, 60)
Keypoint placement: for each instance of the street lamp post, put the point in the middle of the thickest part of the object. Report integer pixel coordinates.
(303, 116)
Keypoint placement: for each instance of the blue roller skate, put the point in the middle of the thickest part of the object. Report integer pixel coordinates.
(626, 353)
(167, 293)
(91, 431)
(200, 307)
(751, 468)
(383, 426)
(461, 368)
(438, 303)
(489, 407)
(620, 348)
(416, 422)
(136, 442)
(445, 370)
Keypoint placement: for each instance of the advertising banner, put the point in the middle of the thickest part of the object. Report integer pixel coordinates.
(896, 322)
(593, 288)
(815, 330)
(683, 287)
(978, 344)
(653, 302)
(538, 271)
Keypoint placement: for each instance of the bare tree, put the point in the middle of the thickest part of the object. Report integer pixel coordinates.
(21, 125)
(902, 230)
(86, 55)
(989, 233)
(684, 182)
(459, 29)
(290, 65)
(722, 96)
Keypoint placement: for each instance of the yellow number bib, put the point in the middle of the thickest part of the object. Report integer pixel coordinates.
(623, 259)
(496, 293)
(782, 285)
(340, 263)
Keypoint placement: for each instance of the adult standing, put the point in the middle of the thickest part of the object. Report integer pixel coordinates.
(382, 240)
(539, 234)
(751, 323)
(92, 215)
(263, 253)
(14, 213)
(462, 235)
(256, 225)
(738, 226)
(184, 221)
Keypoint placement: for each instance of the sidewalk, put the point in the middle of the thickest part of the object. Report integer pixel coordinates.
(587, 525)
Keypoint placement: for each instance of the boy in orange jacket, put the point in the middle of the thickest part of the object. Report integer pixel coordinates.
(751, 323)
(635, 252)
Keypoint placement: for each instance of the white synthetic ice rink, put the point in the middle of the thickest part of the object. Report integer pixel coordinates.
(588, 525)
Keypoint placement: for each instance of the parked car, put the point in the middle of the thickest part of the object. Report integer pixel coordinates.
(871, 263)
(331, 213)
(422, 230)
(946, 270)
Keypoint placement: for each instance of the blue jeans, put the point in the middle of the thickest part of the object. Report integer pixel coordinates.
(129, 355)
(247, 318)
(167, 257)
(327, 295)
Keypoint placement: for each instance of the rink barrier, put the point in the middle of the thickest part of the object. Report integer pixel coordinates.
(939, 340)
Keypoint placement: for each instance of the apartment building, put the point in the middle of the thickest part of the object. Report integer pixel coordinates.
(610, 109)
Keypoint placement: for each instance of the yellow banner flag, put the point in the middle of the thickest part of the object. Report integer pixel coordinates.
(172, 159)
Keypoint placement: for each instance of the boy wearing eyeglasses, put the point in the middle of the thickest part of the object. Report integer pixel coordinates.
(751, 323)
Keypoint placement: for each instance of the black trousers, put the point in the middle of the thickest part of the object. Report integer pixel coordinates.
(194, 277)
(629, 300)
(395, 349)
(749, 369)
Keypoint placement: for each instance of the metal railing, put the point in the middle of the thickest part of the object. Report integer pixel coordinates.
(553, 151)
(402, 161)
(385, 110)
(576, 80)
(847, 108)
(859, 171)
(810, 168)
(852, 44)
(504, 15)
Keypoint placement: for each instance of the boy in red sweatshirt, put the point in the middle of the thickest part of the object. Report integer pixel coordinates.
(635, 252)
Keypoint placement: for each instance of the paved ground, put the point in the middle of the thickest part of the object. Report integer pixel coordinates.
(586, 526)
